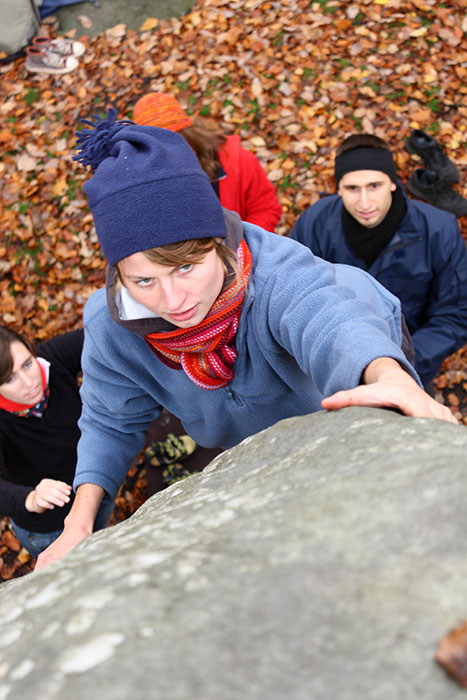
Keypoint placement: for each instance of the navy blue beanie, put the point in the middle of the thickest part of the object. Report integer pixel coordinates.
(148, 188)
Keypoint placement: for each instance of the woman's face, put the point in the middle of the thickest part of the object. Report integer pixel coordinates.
(181, 295)
(25, 383)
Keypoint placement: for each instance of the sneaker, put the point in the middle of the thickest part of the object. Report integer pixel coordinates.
(44, 61)
(174, 472)
(170, 450)
(432, 155)
(427, 185)
(64, 47)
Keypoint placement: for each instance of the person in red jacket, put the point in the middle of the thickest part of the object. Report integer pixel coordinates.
(236, 174)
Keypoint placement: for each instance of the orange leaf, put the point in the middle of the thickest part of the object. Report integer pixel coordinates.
(60, 187)
(452, 654)
(5, 135)
(148, 24)
(10, 541)
(342, 24)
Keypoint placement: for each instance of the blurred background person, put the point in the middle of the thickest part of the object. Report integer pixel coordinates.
(235, 174)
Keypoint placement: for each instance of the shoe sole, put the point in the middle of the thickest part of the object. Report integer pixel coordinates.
(459, 212)
(172, 449)
(415, 193)
(51, 71)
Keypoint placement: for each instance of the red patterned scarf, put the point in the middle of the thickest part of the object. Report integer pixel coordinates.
(207, 351)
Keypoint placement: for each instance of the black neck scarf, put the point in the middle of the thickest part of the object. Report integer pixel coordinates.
(368, 243)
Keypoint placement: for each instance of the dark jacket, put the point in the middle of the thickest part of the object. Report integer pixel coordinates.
(35, 448)
(424, 264)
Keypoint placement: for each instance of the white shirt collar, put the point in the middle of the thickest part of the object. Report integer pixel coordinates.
(128, 308)
(45, 364)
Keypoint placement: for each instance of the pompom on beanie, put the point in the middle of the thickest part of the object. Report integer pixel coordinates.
(148, 188)
(365, 158)
(162, 110)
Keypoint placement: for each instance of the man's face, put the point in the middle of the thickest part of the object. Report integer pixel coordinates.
(367, 195)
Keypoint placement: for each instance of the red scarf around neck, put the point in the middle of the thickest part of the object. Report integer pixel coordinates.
(207, 351)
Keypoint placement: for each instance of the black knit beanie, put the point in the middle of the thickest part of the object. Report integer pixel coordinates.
(365, 158)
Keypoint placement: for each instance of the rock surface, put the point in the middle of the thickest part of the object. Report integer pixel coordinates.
(321, 559)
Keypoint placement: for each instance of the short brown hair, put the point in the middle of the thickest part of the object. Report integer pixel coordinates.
(192, 252)
(361, 141)
(7, 337)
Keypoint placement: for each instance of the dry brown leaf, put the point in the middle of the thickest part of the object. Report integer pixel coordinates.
(5, 135)
(116, 32)
(256, 87)
(430, 74)
(420, 31)
(452, 654)
(35, 150)
(23, 556)
(26, 163)
(10, 541)
(339, 92)
(84, 21)
(450, 36)
(149, 23)
(60, 187)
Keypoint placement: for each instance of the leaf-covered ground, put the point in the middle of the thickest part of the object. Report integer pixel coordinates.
(293, 78)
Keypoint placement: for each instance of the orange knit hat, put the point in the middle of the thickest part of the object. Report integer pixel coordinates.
(160, 109)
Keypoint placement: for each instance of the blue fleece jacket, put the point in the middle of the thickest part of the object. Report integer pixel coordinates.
(424, 265)
(302, 336)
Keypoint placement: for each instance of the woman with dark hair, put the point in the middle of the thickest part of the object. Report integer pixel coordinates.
(39, 411)
(235, 174)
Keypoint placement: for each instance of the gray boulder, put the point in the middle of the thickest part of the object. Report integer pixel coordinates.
(321, 559)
